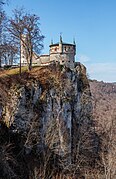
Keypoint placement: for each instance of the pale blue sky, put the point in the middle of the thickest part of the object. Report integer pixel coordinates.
(91, 22)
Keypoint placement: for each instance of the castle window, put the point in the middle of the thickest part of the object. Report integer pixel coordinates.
(62, 61)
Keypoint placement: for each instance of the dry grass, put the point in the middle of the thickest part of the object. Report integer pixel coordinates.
(46, 76)
(12, 76)
(12, 71)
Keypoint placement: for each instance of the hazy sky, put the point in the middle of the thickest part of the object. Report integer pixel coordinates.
(91, 22)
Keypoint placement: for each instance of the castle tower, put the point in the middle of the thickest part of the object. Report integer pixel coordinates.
(63, 53)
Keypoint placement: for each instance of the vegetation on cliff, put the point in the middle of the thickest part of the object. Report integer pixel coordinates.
(48, 116)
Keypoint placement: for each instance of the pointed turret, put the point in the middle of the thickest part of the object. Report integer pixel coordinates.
(60, 39)
(51, 41)
(60, 44)
(74, 41)
(74, 46)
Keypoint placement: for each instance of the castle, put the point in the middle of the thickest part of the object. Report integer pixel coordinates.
(63, 53)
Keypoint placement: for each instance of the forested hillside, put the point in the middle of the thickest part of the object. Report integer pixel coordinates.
(104, 116)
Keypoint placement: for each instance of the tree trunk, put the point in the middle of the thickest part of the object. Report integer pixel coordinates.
(30, 61)
(0, 62)
(20, 56)
(30, 64)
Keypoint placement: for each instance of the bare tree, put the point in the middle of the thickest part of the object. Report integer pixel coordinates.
(3, 33)
(8, 53)
(6, 161)
(2, 20)
(34, 39)
(25, 24)
(108, 148)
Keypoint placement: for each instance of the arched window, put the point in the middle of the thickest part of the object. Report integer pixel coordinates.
(56, 49)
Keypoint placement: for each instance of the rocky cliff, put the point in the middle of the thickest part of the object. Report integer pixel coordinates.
(47, 114)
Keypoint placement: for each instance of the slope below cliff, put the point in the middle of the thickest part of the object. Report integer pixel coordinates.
(104, 101)
(104, 116)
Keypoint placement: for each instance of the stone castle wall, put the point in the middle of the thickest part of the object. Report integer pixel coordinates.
(61, 52)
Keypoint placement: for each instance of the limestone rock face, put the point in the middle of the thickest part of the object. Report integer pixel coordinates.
(52, 109)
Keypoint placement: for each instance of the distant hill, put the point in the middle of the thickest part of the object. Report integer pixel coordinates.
(104, 101)
(104, 115)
